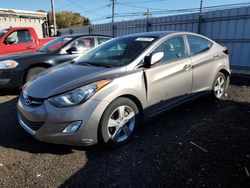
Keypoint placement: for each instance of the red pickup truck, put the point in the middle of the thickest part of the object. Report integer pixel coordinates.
(20, 39)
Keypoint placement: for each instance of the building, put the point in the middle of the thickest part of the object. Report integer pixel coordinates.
(21, 18)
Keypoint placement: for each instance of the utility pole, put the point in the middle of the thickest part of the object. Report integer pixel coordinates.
(113, 17)
(147, 14)
(53, 16)
(113, 11)
(200, 16)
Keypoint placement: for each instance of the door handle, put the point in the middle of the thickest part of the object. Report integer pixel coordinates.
(216, 56)
(187, 67)
(30, 47)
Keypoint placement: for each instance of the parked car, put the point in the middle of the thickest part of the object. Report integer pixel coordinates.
(17, 69)
(20, 39)
(105, 94)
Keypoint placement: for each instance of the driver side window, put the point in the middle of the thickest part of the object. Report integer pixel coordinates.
(21, 36)
(173, 49)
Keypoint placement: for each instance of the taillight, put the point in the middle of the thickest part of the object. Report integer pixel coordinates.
(226, 51)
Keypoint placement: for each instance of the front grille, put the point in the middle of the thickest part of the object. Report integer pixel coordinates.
(31, 101)
(35, 126)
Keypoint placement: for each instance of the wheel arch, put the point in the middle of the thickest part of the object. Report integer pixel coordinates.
(137, 102)
(227, 75)
(225, 72)
(42, 65)
(134, 99)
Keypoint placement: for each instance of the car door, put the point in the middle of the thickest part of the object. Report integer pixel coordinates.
(169, 80)
(202, 62)
(24, 42)
(82, 45)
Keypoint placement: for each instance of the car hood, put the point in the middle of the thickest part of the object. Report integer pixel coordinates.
(64, 78)
(18, 56)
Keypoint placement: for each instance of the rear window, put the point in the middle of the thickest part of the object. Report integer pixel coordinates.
(198, 44)
(102, 40)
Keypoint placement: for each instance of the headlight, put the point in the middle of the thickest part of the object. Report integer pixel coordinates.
(78, 95)
(8, 64)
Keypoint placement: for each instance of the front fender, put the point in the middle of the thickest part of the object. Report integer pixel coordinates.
(131, 84)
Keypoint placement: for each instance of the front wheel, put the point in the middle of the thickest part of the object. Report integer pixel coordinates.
(32, 72)
(119, 122)
(219, 87)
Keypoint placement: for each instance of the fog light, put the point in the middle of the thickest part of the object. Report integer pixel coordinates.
(73, 127)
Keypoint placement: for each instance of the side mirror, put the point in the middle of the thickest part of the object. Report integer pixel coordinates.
(152, 59)
(156, 57)
(10, 40)
(72, 50)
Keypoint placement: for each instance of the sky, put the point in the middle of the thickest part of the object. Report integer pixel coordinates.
(99, 10)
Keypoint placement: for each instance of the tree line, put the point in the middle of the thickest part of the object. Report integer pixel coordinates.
(66, 19)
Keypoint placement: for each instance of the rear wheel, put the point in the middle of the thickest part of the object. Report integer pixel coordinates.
(219, 87)
(119, 122)
(33, 71)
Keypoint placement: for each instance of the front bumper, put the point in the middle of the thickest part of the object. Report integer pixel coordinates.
(46, 122)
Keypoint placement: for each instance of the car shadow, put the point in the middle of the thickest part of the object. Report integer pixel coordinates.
(240, 80)
(4, 92)
(13, 136)
(165, 152)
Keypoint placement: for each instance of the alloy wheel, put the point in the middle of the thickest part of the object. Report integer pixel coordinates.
(121, 123)
(219, 87)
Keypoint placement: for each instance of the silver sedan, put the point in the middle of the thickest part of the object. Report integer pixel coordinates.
(104, 95)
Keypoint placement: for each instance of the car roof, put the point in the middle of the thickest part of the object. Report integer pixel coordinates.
(155, 34)
(84, 35)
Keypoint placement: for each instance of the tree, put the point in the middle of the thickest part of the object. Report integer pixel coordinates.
(66, 19)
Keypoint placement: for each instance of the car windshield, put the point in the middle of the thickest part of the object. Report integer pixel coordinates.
(2, 32)
(55, 44)
(116, 52)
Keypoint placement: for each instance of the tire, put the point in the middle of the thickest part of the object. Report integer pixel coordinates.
(33, 71)
(219, 86)
(119, 122)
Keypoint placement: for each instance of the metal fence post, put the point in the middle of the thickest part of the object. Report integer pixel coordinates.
(113, 30)
(200, 17)
(89, 30)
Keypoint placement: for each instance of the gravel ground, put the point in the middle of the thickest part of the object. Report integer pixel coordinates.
(164, 153)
